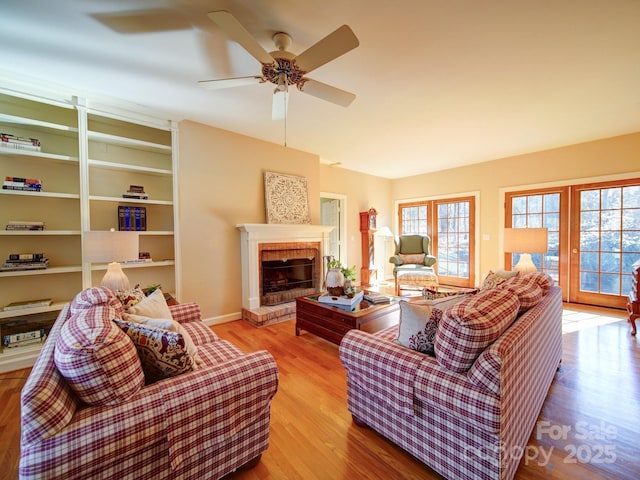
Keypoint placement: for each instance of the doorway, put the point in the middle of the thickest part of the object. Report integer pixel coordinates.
(332, 208)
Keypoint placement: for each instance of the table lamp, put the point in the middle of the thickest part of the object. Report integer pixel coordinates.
(113, 247)
(525, 241)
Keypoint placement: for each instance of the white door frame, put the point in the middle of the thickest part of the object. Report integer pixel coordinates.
(342, 226)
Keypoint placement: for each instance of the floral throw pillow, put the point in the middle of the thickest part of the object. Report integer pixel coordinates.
(130, 297)
(419, 322)
(162, 353)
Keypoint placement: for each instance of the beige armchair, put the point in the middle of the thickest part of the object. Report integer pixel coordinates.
(413, 262)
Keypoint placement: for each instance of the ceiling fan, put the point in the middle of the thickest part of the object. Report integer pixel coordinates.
(283, 68)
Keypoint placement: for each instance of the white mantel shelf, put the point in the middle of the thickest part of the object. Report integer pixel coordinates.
(253, 234)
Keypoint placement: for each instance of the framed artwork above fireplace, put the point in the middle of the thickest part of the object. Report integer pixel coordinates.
(286, 198)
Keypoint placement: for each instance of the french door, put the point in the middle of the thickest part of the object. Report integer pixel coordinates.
(605, 242)
(593, 237)
(450, 224)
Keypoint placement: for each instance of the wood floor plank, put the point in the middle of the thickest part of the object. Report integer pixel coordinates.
(313, 438)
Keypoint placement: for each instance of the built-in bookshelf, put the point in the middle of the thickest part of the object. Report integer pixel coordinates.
(89, 155)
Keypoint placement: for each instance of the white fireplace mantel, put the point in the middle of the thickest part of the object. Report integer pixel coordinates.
(253, 234)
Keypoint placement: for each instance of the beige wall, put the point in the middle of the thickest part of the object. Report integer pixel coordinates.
(591, 161)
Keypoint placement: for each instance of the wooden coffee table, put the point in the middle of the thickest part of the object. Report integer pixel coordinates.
(332, 323)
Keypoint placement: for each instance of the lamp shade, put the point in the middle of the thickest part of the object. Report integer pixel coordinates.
(384, 232)
(525, 240)
(110, 246)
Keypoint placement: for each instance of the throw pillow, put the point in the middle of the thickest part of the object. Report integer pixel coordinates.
(162, 353)
(131, 297)
(469, 327)
(153, 306)
(412, 258)
(428, 294)
(167, 324)
(493, 279)
(419, 321)
(526, 288)
(98, 361)
(90, 297)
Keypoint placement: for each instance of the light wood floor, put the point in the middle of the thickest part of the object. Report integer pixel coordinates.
(596, 394)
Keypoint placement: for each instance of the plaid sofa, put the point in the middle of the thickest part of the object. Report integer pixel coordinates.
(204, 423)
(472, 424)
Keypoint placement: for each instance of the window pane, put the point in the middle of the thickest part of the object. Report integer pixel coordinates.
(589, 261)
(631, 242)
(552, 221)
(610, 241)
(590, 221)
(590, 200)
(631, 196)
(631, 219)
(589, 241)
(519, 205)
(610, 284)
(535, 204)
(610, 262)
(611, 220)
(552, 202)
(611, 198)
(534, 221)
(588, 282)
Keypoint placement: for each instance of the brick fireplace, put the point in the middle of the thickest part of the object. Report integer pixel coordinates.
(279, 263)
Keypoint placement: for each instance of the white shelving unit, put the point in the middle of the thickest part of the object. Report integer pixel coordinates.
(90, 156)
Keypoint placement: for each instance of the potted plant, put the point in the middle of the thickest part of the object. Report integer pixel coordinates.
(339, 279)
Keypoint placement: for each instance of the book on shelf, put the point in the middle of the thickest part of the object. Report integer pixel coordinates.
(42, 302)
(137, 196)
(24, 338)
(376, 298)
(24, 225)
(137, 192)
(18, 266)
(26, 257)
(9, 140)
(24, 188)
(132, 218)
(25, 261)
(22, 183)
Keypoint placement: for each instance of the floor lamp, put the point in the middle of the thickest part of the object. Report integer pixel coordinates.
(113, 247)
(525, 241)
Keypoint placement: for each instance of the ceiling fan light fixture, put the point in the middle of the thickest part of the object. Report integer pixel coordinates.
(283, 84)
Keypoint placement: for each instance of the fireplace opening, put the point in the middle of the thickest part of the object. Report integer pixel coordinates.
(287, 273)
(284, 275)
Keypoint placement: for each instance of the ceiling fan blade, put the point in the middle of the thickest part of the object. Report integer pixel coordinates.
(332, 46)
(144, 21)
(229, 82)
(239, 34)
(327, 92)
(280, 105)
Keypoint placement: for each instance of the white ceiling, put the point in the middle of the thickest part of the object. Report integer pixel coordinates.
(438, 83)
